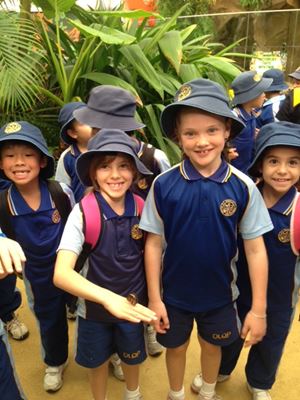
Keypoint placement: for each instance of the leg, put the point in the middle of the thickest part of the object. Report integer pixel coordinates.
(131, 374)
(98, 381)
(210, 360)
(175, 361)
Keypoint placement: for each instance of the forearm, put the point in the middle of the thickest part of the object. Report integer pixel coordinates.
(153, 259)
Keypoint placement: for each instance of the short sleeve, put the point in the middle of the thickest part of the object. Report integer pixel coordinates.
(151, 220)
(72, 238)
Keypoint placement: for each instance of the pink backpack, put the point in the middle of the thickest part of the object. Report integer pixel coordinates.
(295, 226)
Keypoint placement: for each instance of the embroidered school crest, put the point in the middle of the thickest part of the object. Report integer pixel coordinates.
(184, 92)
(142, 184)
(12, 127)
(56, 217)
(228, 207)
(136, 233)
(284, 235)
(257, 77)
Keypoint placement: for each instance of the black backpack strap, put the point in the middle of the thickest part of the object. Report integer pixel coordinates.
(5, 216)
(60, 198)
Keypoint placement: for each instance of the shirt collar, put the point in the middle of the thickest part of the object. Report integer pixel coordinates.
(109, 213)
(285, 203)
(74, 150)
(274, 100)
(190, 173)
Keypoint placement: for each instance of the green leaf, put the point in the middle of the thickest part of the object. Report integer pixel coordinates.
(224, 66)
(106, 34)
(106, 79)
(171, 47)
(135, 56)
(52, 7)
(186, 32)
(134, 14)
(170, 84)
(188, 72)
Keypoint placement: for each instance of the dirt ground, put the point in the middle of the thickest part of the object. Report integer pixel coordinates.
(153, 382)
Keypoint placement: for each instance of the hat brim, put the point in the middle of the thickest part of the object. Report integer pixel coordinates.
(295, 75)
(277, 88)
(98, 119)
(64, 135)
(216, 106)
(279, 139)
(84, 161)
(251, 94)
(46, 172)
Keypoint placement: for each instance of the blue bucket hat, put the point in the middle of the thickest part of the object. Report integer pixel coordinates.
(247, 86)
(65, 117)
(25, 132)
(274, 134)
(109, 107)
(202, 94)
(278, 83)
(296, 74)
(108, 140)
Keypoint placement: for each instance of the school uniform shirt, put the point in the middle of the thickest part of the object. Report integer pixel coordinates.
(269, 110)
(66, 172)
(117, 261)
(284, 266)
(199, 218)
(39, 233)
(244, 141)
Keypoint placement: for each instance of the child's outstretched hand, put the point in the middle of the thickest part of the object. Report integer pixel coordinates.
(162, 323)
(12, 257)
(254, 329)
(121, 308)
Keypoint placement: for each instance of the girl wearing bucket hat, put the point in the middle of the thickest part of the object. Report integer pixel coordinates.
(277, 163)
(192, 214)
(248, 88)
(36, 222)
(112, 286)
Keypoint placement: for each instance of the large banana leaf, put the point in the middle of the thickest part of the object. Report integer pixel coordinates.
(171, 47)
(53, 7)
(106, 34)
(132, 14)
(135, 56)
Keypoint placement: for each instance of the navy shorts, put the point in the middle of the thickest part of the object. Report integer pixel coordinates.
(97, 341)
(220, 327)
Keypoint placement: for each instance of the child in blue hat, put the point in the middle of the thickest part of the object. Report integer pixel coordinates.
(274, 97)
(248, 88)
(37, 225)
(112, 280)
(192, 214)
(12, 258)
(76, 135)
(277, 164)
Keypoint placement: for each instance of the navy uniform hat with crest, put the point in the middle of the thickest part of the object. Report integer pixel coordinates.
(107, 141)
(249, 85)
(109, 107)
(296, 74)
(278, 83)
(204, 95)
(275, 134)
(25, 132)
(65, 117)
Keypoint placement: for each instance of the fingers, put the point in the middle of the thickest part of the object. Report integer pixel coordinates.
(12, 257)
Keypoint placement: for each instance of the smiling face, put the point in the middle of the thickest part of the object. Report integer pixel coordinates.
(202, 137)
(280, 169)
(113, 176)
(21, 163)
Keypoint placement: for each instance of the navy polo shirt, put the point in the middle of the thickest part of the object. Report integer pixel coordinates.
(66, 172)
(39, 233)
(268, 111)
(117, 261)
(244, 141)
(284, 266)
(199, 218)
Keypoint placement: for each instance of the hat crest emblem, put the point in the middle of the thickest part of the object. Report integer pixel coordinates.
(12, 127)
(184, 92)
(257, 77)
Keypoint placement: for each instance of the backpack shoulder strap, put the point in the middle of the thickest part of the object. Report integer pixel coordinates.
(61, 200)
(295, 226)
(5, 213)
(139, 202)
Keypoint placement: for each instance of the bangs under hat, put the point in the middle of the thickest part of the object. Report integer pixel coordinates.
(204, 95)
(247, 86)
(107, 141)
(109, 107)
(271, 135)
(25, 132)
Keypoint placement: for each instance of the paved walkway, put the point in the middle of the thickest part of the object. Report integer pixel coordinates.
(153, 381)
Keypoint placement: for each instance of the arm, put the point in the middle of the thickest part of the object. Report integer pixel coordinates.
(255, 321)
(61, 175)
(153, 258)
(12, 257)
(66, 278)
